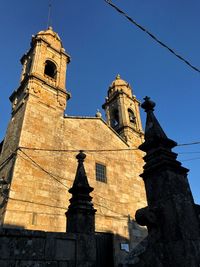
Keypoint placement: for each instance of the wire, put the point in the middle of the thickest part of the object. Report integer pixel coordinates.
(59, 207)
(152, 36)
(40, 167)
(37, 165)
(78, 150)
(97, 150)
(183, 153)
(47, 172)
(8, 158)
(190, 144)
(33, 202)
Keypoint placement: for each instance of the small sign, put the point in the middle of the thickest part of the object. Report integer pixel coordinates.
(125, 247)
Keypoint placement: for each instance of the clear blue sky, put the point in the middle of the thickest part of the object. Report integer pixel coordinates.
(102, 44)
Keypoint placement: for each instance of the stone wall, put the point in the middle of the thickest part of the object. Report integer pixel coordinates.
(39, 196)
(26, 248)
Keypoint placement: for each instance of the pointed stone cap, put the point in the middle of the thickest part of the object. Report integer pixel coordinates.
(154, 135)
(81, 182)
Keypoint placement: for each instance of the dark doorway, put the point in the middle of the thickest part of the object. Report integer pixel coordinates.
(104, 242)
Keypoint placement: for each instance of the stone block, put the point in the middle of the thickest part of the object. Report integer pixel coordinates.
(65, 249)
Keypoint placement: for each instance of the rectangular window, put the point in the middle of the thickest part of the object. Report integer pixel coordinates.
(101, 173)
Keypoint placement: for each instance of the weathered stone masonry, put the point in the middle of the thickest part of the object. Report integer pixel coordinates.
(39, 162)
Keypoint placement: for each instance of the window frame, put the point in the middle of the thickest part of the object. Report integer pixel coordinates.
(132, 117)
(50, 65)
(101, 174)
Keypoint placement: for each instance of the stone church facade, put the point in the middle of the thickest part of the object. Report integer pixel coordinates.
(37, 161)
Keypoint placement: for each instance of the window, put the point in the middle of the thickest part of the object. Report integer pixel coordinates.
(101, 173)
(50, 69)
(131, 116)
(115, 118)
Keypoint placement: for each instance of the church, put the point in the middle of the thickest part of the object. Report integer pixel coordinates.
(37, 160)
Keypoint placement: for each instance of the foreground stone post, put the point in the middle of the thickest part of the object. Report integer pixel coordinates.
(171, 216)
(81, 213)
(81, 216)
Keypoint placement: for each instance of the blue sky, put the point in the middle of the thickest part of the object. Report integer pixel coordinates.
(102, 44)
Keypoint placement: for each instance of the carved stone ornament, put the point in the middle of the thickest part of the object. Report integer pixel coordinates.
(36, 89)
(61, 101)
(14, 103)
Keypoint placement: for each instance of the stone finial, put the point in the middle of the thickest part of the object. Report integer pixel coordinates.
(148, 105)
(171, 216)
(98, 114)
(118, 77)
(81, 213)
(154, 134)
(81, 181)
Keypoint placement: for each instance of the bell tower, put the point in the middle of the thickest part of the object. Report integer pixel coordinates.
(122, 111)
(38, 106)
(44, 72)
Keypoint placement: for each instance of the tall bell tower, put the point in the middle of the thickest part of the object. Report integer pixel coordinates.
(44, 72)
(122, 111)
(38, 106)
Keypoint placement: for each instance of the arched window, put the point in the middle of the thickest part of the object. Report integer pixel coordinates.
(115, 118)
(50, 69)
(131, 116)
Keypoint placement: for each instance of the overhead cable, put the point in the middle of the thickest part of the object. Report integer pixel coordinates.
(152, 36)
(190, 144)
(47, 172)
(78, 150)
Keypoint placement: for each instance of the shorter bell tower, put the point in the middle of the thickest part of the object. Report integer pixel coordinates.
(122, 111)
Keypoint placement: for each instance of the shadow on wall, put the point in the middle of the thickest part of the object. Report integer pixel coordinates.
(20, 247)
(114, 249)
(136, 232)
(12, 226)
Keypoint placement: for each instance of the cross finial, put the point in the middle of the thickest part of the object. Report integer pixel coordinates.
(148, 104)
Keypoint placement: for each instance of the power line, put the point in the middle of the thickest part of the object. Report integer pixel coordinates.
(59, 207)
(78, 150)
(40, 167)
(97, 150)
(194, 152)
(33, 202)
(152, 36)
(53, 176)
(190, 144)
(8, 158)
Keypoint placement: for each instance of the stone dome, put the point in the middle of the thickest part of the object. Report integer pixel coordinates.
(49, 31)
(50, 37)
(119, 85)
(119, 82)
